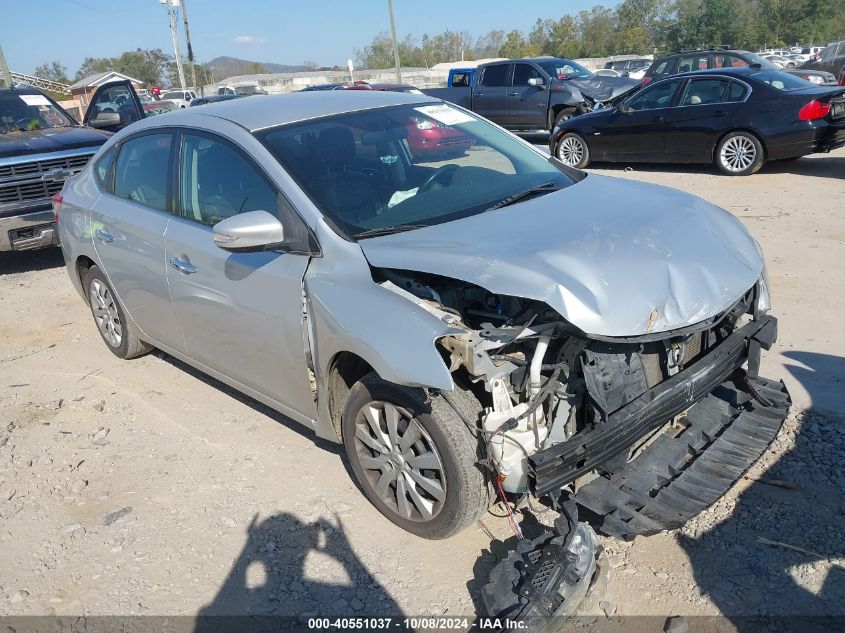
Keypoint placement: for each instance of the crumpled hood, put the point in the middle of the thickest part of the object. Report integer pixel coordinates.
(601, 88)
(613, 257)
(50, 140)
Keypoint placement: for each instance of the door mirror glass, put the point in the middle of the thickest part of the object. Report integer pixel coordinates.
(104, 119)
(536, 81)
(249, 232)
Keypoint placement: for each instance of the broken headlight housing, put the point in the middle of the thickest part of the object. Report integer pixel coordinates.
(764, 299)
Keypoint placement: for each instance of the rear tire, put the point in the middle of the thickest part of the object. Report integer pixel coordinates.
(413, 457)
(572, 150)
(740, 154)
(116, 332)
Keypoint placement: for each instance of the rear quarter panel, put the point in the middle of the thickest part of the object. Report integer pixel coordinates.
(80, 193)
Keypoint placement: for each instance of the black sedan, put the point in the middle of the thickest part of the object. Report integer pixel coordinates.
(736, 117)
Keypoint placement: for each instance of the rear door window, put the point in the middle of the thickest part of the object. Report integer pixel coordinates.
(736, 92)
(704, 92)
(141, 170)
(495, 76)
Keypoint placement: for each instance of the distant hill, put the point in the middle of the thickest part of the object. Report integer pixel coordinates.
(230, 66)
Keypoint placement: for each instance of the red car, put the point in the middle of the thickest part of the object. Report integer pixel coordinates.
(426, 138)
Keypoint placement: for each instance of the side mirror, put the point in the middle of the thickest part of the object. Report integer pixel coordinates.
(536, 81)
(623, 108)
(104, 119)
(249, 232)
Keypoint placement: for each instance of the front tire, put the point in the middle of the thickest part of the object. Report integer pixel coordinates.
(572, 150)
(413, 457)
(109, 317)
(740, 154)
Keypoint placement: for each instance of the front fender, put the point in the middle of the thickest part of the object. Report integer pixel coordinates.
(349, 312)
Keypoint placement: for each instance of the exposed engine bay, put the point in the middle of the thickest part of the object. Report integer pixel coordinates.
(563, 409)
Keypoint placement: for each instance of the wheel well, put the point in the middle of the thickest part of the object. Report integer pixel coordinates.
(556, 109)
(83, 265)
(740, 129)
(345, 370)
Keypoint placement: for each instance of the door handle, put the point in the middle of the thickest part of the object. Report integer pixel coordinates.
(478, 94)
(720, 113)
(182, 266)
(513, 94)
(658, 119)
(104, 236)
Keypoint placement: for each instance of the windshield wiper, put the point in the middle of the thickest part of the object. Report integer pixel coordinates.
(546, 187)
(389, 230)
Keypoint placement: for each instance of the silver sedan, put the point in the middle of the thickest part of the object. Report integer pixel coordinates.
(466, 315)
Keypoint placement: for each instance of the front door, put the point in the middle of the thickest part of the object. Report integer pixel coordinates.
(128, 224)
(114, 106)
(637, 131)
(241, 313)
(489, 95)
(527, 105)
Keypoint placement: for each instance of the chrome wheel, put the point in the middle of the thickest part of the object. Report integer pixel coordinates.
(400, 461)
(738, 153)
(571, 151)
(105, 313)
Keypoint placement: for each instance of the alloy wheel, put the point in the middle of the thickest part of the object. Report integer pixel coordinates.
(571, 151)
(105, 313)
(400, 461)
(738, 153)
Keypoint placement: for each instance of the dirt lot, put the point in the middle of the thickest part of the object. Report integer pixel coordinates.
(142, 487)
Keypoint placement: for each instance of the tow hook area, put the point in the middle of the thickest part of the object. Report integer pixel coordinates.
(544, 579)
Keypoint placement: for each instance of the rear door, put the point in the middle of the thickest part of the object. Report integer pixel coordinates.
(128, 224)
(489, 96)
(638, 133)
(113, 106)
(241, 313)
(527, 105)
(704, 111)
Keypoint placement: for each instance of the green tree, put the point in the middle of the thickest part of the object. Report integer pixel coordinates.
(53, 71)
(517, 46)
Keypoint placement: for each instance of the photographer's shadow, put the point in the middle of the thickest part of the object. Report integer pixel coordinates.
(274, 580)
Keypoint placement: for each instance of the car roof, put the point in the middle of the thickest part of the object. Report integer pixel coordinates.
(20, 90)
(266, 111)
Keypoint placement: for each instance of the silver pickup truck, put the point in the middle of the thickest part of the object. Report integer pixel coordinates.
(40, 146)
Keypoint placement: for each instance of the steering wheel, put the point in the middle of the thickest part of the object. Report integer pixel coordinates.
(26, 124)
(436, 176)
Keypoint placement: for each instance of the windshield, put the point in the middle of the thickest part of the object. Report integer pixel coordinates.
(173, 95)
(782, 81)
(29, 112)
(409, 166)
(249, 90)
(564, 69)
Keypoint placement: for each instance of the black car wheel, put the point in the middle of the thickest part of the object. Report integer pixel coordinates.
(740, 154)
(572, 150)
(414, 458)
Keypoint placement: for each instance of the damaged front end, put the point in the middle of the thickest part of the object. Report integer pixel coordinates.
(643, 431)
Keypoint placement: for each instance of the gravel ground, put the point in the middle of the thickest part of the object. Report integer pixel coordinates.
(143, 487)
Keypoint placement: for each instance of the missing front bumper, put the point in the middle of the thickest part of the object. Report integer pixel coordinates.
(676, 478)
(731, 417)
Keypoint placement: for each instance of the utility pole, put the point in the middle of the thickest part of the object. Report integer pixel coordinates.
(395, 43)
(188, 44)
(5, 73)
(171, 14)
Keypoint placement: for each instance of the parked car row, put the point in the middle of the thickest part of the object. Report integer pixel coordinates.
(737, 118)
